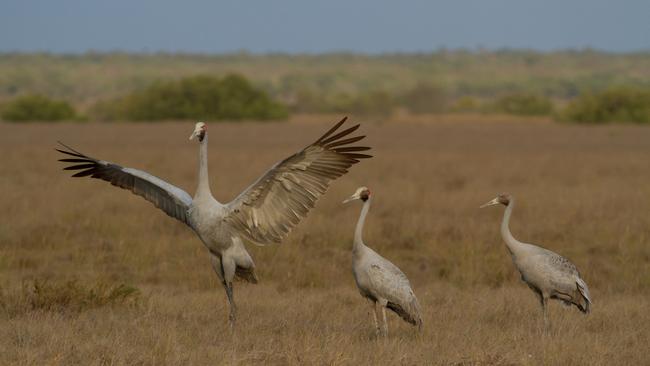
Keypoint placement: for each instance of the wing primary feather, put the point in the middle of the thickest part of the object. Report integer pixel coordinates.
(79, 166)
(331, 130)
(75, 160)
(70, 153)
(358, 156)
(340, 134)
(351, 148)
(84, 173)
(71, 149)
(344, 142)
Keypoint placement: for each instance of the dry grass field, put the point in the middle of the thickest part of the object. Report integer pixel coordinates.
(93, 275)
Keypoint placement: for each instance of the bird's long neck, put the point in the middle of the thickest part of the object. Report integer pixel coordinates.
(358, 232)
(514, 246)
(203, 188)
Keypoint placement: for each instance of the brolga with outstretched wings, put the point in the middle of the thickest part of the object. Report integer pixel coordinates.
(262, 214)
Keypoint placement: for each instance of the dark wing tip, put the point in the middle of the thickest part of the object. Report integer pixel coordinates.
(80, 160)
(344, 142)
(351, 149)
(358, 156)
(83, 173)
(69, 151)
(340, 134)
(331, 130)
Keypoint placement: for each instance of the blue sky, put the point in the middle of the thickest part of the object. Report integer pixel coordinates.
(295, 26)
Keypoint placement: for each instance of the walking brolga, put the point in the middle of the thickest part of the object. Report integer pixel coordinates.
(263, 214)
(379, 280)
(548, 274)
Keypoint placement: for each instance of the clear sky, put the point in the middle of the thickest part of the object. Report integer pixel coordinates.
(298, 26)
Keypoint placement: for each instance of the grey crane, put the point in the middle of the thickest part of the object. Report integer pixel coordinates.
(379, 280)
(262, 214)
(548, 274)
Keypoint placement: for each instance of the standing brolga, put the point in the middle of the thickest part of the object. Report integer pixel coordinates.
(262, 214)
(379, 280)
(548, 274)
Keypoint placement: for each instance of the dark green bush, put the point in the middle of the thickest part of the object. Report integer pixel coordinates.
(195, 98)
(524, 104)
(622, 104)
(37, 108)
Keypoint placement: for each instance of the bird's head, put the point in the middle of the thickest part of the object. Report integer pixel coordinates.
(503, 198)
(200, 129)
(362, 193)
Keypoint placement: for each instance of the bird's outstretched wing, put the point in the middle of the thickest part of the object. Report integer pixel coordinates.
(267, 210)
(169, 198)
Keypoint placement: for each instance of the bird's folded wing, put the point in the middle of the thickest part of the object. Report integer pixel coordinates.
(267, 210)
(390, 281)
(560, 263)
(169, 198)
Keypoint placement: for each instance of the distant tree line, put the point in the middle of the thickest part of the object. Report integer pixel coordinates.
(233, 97)
(615, 104)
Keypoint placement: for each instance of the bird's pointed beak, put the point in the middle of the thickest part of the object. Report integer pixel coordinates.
(491, 203)
(193, 135)
(351, 198)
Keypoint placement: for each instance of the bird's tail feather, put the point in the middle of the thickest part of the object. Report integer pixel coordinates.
(246, 274)
(584, 291)
(410, 312)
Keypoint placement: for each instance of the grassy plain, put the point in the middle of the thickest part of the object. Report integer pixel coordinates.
(93, 275)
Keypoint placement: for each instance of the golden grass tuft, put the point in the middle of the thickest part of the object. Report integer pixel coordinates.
(66, 297)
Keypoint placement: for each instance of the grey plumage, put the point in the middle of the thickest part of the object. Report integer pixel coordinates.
(266, 211)
(548, 274)
(263, 214)
(379, 280)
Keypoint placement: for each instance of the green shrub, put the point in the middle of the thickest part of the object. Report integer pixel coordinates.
(466, 104)
(524, 104)
(37, 108)
(195, 98)
(622, 104)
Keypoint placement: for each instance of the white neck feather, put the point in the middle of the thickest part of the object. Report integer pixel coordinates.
(358, 232)
(203, 188)
(514, 246)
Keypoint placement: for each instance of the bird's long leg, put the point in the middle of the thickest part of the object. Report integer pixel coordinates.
(545, 313)
(383, 310)
(216, 262)
(374, 315)
(233, 308)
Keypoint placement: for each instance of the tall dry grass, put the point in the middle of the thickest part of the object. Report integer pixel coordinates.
(582, 192)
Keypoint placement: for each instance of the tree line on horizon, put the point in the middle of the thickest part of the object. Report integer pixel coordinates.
(581, 86)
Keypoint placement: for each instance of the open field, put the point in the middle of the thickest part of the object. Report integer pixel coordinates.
(582, 191)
